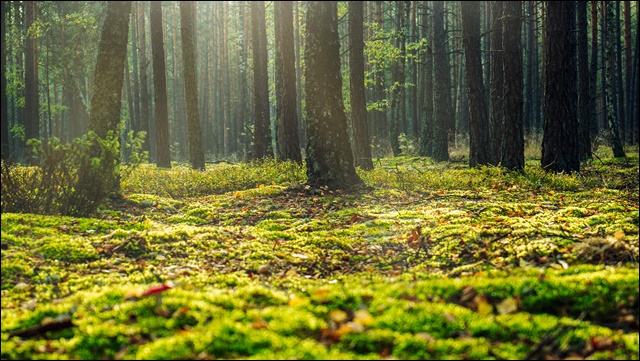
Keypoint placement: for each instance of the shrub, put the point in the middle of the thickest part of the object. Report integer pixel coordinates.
(69, 179)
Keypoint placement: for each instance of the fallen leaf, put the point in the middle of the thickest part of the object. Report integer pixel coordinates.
(507, 306)
(338, 316)
(363, 317)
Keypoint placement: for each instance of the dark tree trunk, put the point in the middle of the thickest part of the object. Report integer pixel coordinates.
(160, 86)
(560, 138)
(584, 98)
(620, 94)
(496, 87)
(32, 103)
(136, 73)
(611, 120)
(109, 73)
(478, 123)
(287, 120)
(329, 158)
(413, 69)
(628, 72)
(300, 95)
(4, 108)
(512, 130)
(397, 95)
(426, 138)
(361, 146)
(528, 83)
(593, 71)
(145, 107)
(196, 155)
(381, 130)
(261, 129)
(441, 88)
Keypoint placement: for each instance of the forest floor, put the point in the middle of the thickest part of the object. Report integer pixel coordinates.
(427, 261)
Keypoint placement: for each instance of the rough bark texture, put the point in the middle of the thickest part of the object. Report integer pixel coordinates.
(287, 139)
(496, 83)
(329, 159)
(160, 86)
(441, 88)
(261, 128)
(145, 107)
(361, 145)
(196, 155)
(584, 98)
(628, 71)
(4, 108)
(478, 123)
(593, 70)
(109, 72)
(560, 137)
(611, 121)
(32, 104)
(512, 130)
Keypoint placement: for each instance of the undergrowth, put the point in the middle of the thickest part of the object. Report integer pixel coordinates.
(429, 261)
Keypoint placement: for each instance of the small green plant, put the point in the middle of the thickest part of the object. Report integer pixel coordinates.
(67, 179)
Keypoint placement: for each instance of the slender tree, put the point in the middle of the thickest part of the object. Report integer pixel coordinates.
(611, 121)
(329, 159)
(478, 122)
(4, 112)
(628, 71)
(560, 137)
(287, 138)
(584, 97)
(593, 71)
(441, 88)
(261, 128)
(163, 159)
(496, 86)
(32, 103)
(145, 106)
(512, 129)
(196, 154)
(361, 146)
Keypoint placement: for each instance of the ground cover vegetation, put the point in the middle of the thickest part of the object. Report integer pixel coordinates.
(425, 260)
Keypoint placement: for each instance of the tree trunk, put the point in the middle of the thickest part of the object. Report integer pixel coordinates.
(478, 122)
(4, 108)
(584, 98)
(261, 129)
(426, 139)
(560, 138)
(329, 159)
(497, 84)
(620, 94)
(145, 108)
(628, 72)
(413, 69)
(593, 72)
(610, 89)
(528, 83)
(361, 146)
(512, 130)
(32, 103)
(196, 155)
(441, 89)
(287, 138)
(160, 86)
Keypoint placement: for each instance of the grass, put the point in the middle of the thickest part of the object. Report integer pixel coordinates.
(429, 261)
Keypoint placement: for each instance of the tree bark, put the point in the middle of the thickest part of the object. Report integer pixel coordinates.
(512, 130)
(478, 122)
(361, 146)
(426, 139)
(584, 97)
(196, 155)
(441, 89)
(560, 139)
(160, 87)
(329, 159)
(593, 71)
(628, 71)
(145, 107)
(610, 84)
(32, 103)
(497, 84)
(287, 139)
(261, 129)
(4, 111)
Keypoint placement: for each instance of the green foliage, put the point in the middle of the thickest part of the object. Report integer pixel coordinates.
(70, 179)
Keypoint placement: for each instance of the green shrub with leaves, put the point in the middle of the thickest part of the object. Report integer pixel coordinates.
(68, 179)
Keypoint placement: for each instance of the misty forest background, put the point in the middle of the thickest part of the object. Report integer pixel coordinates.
(423, 93)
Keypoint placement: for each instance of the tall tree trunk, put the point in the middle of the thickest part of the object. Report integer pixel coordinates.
(4, 108)
(620, 94)
(261, 129)
(441, 89)
(160, 86)
(628, 131)
(397, 71)
(560, 138)
(137, 126)
(512, 130)
(584, 98)
(196, 155)
(329, 158)
(299, 95)
(610, 89)
(361, 146)
(478, 122)
(287, 139)
(381, 130)
(528, 82)
(179, 117)
(426, 139)
(593, 72)
(413, 69)
(497, 84)
(145, 107)
(32, 103)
